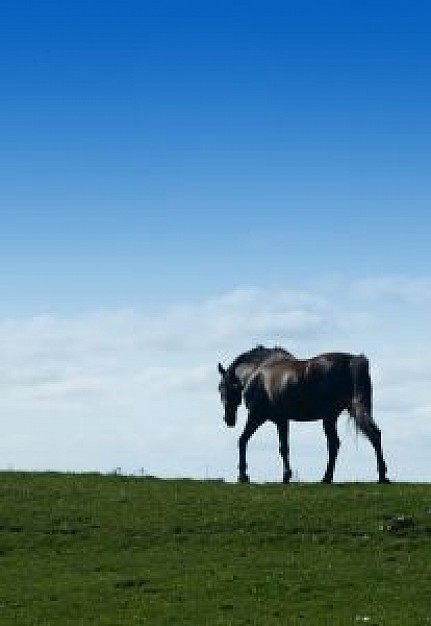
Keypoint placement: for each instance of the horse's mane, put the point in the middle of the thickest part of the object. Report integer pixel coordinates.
(256, 354)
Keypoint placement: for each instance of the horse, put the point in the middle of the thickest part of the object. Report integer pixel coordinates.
(281, 389)
(236, 378)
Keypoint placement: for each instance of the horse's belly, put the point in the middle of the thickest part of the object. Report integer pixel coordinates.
(304, 417)
(301, 411)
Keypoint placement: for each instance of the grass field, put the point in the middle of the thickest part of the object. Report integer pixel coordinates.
(91, 549)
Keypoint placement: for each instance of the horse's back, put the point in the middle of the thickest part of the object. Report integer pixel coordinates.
(301, 389)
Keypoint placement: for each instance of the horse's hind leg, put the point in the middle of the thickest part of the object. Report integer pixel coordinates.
(283, 437)
(333, 443)
(250, 428)
(372, 432)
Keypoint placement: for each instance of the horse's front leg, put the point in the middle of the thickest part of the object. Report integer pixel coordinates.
(283, 428)
(250, 428)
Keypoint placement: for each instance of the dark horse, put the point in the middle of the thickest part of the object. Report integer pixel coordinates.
(284, 388)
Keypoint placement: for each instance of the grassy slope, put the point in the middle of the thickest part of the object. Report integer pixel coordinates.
(84, 549)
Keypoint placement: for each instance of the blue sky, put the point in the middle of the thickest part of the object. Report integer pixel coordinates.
(159, 155)
(139, 137)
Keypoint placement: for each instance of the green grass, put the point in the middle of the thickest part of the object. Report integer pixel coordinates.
(90, 549)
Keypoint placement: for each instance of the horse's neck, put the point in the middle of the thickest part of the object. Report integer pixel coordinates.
(244, 371)
(246, 366)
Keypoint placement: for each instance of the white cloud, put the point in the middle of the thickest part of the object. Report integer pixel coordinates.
(189, 380)
(240, 315)
(125, 388)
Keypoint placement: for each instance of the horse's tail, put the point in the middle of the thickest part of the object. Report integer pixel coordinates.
(361, 406)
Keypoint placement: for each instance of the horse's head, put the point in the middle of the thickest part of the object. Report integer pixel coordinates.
(230, 392)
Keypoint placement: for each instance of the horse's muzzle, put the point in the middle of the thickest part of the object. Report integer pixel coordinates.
(230, 420)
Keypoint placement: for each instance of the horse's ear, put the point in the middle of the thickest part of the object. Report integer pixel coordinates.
(221, 369)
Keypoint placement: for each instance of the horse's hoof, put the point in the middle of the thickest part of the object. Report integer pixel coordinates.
(384, 481)
(243, 478)
(326, 480)
(286, 480)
